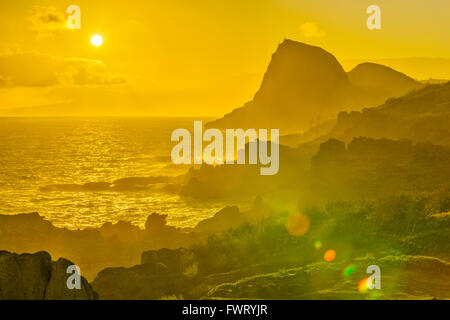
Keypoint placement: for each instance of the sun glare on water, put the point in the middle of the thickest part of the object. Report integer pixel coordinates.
(97, 40)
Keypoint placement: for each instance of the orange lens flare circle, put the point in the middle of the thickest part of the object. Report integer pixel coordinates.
(362, 285)
(297, 224)
(330, 255)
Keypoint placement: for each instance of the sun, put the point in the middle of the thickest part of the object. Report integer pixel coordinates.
(96, 40)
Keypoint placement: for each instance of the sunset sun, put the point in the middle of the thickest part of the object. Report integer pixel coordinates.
(96, 40)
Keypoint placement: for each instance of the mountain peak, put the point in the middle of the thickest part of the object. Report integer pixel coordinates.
(378, 82)
(288, 43)
(291, 92)
(305, 84)
(374, 74)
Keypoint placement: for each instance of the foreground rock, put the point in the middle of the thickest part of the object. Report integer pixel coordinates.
(141, 282)
(409, 277)
(94, 249)
(36, 277)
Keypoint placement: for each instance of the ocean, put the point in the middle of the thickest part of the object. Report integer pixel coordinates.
(39, 152)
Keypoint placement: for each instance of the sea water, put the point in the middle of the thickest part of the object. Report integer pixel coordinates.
(37, 152)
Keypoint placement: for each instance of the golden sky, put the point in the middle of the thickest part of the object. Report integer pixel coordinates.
(196, 57)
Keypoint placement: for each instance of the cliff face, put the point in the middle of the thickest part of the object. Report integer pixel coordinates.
(304, 84)
(295, 82)
(36, 277)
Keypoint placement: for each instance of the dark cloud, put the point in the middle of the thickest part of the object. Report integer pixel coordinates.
(47, 19)
(52, 18)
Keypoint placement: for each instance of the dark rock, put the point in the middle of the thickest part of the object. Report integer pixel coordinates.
(57, 288)
(175, 260)
(25, 276)
(305, 84)
(147, 281)
(36, 277)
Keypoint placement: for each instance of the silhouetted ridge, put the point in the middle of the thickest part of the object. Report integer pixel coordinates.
(304, 85)
(421, 116)
(292, 90)
(376, 82)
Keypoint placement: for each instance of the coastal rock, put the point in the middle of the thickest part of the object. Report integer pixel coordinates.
(57, 288)
(94, 249)
(175, 260)
(147, 281)
(36, 277)
(24, 277)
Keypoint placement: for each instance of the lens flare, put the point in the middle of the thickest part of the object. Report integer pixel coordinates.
(297, 224)
(317, 244)
(330, 255)
(362, 285)
(349, 270)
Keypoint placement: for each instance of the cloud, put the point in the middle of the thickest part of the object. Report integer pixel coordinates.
(47, 19)
(37, 70)
(311, 30)
(2, 81)
(85, 72)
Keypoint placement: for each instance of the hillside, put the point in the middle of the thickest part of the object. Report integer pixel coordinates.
(374, 82)
(421, 116)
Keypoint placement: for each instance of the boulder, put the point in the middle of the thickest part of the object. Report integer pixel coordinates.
(57, 288)
(36, 277)
(176, 261)
(142, 282)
